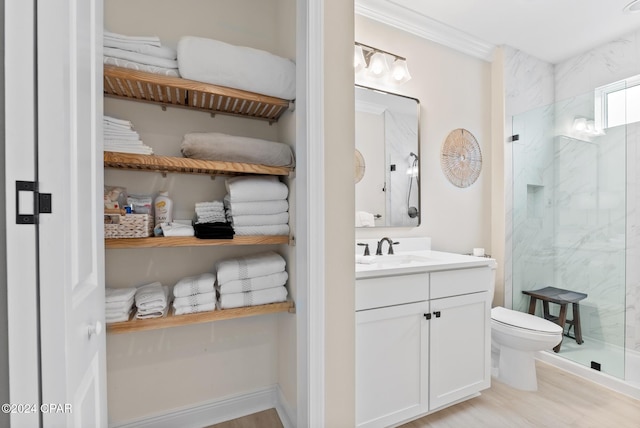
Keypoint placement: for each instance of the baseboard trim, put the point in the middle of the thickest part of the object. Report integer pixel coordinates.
(216, 411)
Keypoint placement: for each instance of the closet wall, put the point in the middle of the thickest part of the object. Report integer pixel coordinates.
(155, 372)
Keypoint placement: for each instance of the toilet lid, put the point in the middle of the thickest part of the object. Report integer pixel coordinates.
(523, 320)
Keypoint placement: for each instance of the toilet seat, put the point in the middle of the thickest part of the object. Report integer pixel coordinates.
(516, 319)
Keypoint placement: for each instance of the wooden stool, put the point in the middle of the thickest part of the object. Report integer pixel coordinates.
(562, 298)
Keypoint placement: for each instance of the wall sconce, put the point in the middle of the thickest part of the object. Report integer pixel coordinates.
(376, 65)
(586, 127)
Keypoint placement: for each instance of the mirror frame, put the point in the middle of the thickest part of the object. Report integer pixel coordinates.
(418, 152)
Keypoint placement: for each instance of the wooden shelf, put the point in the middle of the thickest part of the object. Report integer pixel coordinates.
(164, 164)
(177, 92)
(202, 317)
(190, 241)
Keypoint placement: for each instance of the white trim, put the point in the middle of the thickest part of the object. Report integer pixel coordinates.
(211, 412)
(600, 378)
(315, 279)
(398, 16)
(285, 412)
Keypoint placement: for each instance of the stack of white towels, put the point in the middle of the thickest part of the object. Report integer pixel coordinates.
(143, 53)
(119, 136)
(210, 212)
(152, 300)
(194, 294)
(118, 304)
(257, 205)
(257, 279)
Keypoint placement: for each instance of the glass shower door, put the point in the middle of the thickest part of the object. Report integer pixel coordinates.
(569, 219)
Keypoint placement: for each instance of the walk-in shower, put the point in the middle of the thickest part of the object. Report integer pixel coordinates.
(574, 225)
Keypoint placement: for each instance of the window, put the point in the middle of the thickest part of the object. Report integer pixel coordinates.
(618, 103)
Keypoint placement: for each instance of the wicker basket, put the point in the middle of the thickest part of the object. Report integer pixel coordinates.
(128, 226)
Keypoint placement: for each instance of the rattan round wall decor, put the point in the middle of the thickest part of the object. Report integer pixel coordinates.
(359, 166)
(460, 158)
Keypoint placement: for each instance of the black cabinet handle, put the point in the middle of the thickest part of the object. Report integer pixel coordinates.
(437, 314)
(427, 316)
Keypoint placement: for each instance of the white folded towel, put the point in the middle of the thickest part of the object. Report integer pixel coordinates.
(365, 219)
(141, 58)
(133, 65)
(195, 299)
(253, 298)
(182, 310)
(112, 122)
(271, 229)
(194, 285)
(255, 188)
(213, 205)
(153, 295)
(240, 67)
(149, 40)
(152, 313)
(143, 48)
(119, 294)
(259, 207)
(176, 229)
(250, 266)
(117, 316)
(260, 219)
(118, 306)
(253, 284)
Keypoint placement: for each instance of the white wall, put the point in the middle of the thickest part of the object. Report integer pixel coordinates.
(454, 90)
(153, 372)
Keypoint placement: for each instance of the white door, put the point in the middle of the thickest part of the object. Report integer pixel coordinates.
(460, 348)
(391, 364)
(70, 248)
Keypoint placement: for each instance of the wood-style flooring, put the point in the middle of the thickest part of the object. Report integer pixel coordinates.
(563, 400)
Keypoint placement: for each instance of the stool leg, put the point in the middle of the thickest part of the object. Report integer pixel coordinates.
(532, 305)
(545, 309)
(562, 318)
(577, 329)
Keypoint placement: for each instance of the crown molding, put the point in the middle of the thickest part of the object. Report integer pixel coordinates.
(398, 16)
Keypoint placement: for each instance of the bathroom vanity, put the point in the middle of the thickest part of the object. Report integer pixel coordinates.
(423, 333)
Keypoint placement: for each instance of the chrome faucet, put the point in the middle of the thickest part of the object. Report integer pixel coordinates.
(380, 242)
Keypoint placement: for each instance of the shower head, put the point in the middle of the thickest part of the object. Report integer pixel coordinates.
(414, 155)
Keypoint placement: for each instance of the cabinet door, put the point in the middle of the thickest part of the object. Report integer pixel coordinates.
(391, 364)
(460, 348)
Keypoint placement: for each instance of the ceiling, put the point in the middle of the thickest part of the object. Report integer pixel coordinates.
(551, 30)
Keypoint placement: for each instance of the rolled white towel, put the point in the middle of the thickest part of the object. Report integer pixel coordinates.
(255, 283)
(253, 298)
(270, 229)
(260, 219)
(250, 266)
(153, 295)
(197, 284)
(195, 299)
(182, 310)
(119, 294)
(276, 206)
(255, 188)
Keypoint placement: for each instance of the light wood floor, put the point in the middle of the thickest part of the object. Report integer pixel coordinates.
(562, 401)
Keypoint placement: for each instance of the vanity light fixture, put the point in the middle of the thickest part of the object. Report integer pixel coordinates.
(376, 64)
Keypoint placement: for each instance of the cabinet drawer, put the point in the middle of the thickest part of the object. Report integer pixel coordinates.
(391, 290)
(461, 281)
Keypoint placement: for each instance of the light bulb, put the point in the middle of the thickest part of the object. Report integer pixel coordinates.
(378, 65)
(358, 59)
(400, 71)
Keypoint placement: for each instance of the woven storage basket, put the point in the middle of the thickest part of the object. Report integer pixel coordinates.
(128, 226)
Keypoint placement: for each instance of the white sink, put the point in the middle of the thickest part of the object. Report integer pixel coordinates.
(393, 260)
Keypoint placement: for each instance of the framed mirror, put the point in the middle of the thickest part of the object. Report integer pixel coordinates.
(387, 142)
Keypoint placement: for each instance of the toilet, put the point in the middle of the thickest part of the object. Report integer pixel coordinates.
(515, 337)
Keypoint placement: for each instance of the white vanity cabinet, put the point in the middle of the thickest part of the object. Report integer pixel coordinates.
(423, 341)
